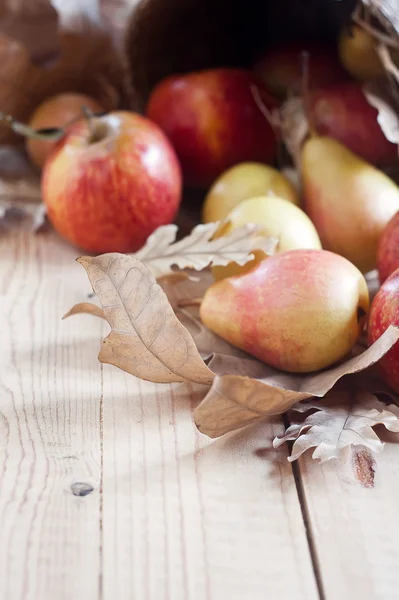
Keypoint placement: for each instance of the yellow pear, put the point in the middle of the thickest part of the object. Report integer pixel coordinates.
(298, 311)
(349, 201)
(358, 55)
(280, 219)
(241, 182)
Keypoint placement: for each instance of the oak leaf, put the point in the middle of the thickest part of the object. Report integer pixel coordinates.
(198, 250)
(379, 95)
(341, 420)
(146, 338)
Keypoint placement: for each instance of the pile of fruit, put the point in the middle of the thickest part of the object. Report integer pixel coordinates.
(114, 178)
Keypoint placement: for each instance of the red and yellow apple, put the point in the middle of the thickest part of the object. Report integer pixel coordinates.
(57, 111)
(111, 182)
(213, 121)
(343, 113)
(281, 71)
(388, 249)
(384, 311)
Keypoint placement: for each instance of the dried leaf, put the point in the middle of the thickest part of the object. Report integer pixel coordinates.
(340, 421)
(183, 286)
(146, 339)
(294, 127)
(378, 95)
(87, 308)
(208, 343)
(255, 391)
(386, 11)
(198, 250)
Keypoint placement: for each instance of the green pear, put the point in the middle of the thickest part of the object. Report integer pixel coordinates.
(349, 201)
(299, 311)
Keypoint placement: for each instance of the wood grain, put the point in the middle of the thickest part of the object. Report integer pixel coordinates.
(50, 389)
(353, 517)
(185, 518)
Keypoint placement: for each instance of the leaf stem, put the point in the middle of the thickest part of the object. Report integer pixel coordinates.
(189, 302)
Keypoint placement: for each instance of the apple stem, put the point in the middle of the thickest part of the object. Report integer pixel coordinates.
(88, 115)
(189, 302)
(48, 134)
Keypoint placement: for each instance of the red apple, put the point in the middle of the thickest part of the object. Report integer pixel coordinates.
(57, 111)
(281, 71)
(384, 311)
(109, 186)
(342, 112)
(213, 121)
(388, 249)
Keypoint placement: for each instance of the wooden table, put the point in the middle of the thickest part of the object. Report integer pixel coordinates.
(108, 491)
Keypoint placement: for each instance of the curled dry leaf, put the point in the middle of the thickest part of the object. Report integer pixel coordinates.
(255, 390)
(341, 420)
(146, 338)
(378, 94)
(87, 308)
(198, 250)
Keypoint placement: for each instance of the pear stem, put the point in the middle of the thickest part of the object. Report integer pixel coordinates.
(190, 302)
(305, 91)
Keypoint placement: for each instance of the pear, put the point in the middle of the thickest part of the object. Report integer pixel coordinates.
(357, 51)
(278, 218)
(349, 201)
(241, 182)
(299, 311)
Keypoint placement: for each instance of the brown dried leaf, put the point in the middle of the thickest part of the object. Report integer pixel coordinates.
(208, 343)
(198, 250)
(340, 421)
(87, 308)
(294, 127)
(146, 339)
(256, 391)
(378, 94)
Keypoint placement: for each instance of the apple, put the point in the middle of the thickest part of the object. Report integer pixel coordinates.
(111, 182)
(384, 311)
(388, 249)
(213, 121)
(342, 112)
(281, 71)
(57, 111)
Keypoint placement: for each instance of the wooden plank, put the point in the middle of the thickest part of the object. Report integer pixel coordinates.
(185, 518)
(354, 524)
(50, 388)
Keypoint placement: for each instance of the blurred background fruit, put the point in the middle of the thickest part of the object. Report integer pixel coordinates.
(213, 121)
(357, 51)
(57, 111)
(281, 71)
(388, 249)
(241, 182)
(343, 112)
